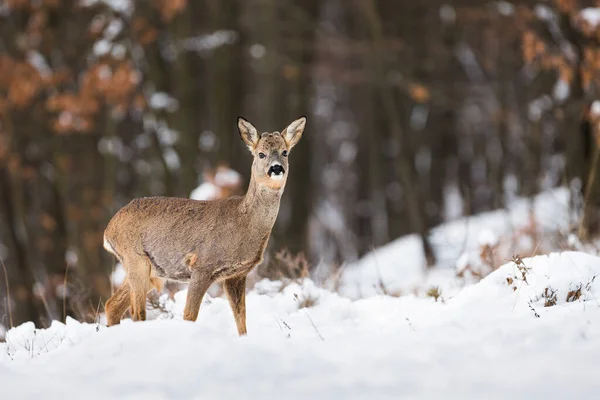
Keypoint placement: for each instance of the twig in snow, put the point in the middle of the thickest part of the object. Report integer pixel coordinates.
(313, 324)
(286, 325)
(308, 316)
(379, 277)
(533, 309)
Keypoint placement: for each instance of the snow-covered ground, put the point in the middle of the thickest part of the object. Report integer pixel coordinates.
(529, 329)
(494, 339)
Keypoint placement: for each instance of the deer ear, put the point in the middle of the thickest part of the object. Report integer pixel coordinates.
(293, 132)
(248, 133)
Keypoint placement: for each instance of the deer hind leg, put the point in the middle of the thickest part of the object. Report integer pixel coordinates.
(236, 292)
(117, 304)
(140, 284)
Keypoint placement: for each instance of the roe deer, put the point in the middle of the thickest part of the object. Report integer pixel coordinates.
(201, 242)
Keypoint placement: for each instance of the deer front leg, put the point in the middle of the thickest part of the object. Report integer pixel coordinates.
(236, 292)
(199, 284)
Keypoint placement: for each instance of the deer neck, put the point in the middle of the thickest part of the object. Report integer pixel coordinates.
(261, 204)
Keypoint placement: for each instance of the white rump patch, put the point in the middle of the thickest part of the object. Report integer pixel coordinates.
(108, 247)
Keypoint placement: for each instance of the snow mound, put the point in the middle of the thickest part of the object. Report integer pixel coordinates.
(537, 286)
(493, 337)
(399, 266)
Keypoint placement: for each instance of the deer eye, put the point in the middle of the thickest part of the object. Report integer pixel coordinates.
(261, 155)
(284, 153)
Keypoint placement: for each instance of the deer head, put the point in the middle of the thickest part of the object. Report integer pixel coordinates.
(270, 150)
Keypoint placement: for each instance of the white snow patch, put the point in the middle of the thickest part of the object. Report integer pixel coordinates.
(117, 277)
(591, 15)
(257, 50)
(447, 13)
(487, 238)
(561, 90)
(171, 158)
(543, 12)
(595, 108)
(227, 177)
(113, 29)
(102, 47)
(163, 101)
(206, 191)
(492, 337)
(209, 42)
(216, 186)
(505, 8)
(118, 51)
(38, 61)
(121, 6)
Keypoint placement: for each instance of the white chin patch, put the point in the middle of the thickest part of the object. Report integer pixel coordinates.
(277, 177)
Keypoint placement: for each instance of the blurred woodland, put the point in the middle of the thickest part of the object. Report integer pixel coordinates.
(411, 105)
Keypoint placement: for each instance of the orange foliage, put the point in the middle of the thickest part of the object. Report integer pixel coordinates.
(143, 31)
(290, 72)
(7, 66)
(566, 6)
(419, 93)
(17, 4)
(528, 46)
(170, 8)
(115, 85)
(25, 83)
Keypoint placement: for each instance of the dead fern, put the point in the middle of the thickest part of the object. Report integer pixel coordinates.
(435, 293)
(521, 267)
(549, 296)
(285, 265)
(574, 295)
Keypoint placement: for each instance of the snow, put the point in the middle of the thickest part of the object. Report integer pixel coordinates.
(118, 51)
(561, 90)
(211, 41)
(538, 106)
(171, 159)
(120, 6)
(162, 100)
(543, 12)
(37, 60)
(102, 47)
(530, 328)
(493, 338)
(257, 51)
(227, 177)
(113, 29)
(398, 267)
(217, 185)
(595, 108)
(117, 277)
(591, 16)
(447, 13)
(505, 8)
(206, 191)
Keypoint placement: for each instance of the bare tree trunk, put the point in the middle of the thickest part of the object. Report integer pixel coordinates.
(404, 169)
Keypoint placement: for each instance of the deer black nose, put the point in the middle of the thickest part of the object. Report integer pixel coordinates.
(276, 169)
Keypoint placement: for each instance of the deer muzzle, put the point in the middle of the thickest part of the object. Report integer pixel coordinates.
(276, 171)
